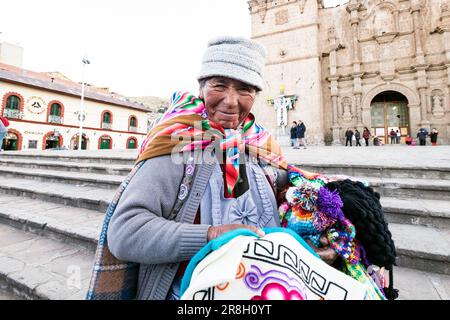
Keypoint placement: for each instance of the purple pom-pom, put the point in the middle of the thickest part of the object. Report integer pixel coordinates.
(330, 203)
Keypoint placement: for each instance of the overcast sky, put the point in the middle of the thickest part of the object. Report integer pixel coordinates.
(136, 47)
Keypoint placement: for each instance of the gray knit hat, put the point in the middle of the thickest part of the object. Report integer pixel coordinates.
(234, 57)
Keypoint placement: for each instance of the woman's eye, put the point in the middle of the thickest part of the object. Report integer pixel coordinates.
(245, 90)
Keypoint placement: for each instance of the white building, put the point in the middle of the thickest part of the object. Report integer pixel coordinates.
(43, 110)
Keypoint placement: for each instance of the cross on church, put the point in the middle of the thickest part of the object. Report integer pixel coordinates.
(283, 103)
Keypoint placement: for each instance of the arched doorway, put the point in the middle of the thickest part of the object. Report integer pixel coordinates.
(52, 140)
(105, 142)
(131, 143)
(389, 111)
(74, 142)
(12, 141)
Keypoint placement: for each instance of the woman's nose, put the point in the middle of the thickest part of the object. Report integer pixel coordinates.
(231, 97)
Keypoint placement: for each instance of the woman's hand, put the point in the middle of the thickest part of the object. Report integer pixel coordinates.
(217, 231)
(326, 253)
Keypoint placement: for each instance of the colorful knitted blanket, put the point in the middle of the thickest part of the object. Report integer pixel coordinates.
(279, 266)
(185, 128)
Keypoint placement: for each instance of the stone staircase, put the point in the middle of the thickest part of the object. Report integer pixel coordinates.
(52, 207)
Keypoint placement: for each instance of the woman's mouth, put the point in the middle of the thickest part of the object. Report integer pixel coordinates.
(227, 115)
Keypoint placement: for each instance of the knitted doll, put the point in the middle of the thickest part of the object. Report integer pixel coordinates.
(314, 207)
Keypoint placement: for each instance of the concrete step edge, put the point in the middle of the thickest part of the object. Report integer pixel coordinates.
(74, 201)
(421, 208)
(15, 163)
(49, 230)
(64, 175)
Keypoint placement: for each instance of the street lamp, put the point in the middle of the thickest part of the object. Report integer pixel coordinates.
(81, 114)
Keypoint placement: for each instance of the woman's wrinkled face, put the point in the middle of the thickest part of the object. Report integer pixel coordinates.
(227, 101)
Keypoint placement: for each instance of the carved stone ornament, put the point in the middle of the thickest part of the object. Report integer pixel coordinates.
(437, 103)
(347, 109)
(258, 6)
(281, 17)
(301, 4)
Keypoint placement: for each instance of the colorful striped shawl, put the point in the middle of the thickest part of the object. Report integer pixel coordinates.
(185, 127)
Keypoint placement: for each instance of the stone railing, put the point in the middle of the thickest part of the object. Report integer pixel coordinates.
(55, 119)
(106, 125)
(12, 114)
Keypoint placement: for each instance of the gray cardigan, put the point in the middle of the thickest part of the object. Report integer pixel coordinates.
(140, 222)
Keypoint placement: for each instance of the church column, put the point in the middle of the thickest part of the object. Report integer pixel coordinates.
(444, 25)
(334, 100)
(420, 66)
(415, 11)
(353, 7)
(333, 79)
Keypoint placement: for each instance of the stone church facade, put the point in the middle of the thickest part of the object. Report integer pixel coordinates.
(381, 64)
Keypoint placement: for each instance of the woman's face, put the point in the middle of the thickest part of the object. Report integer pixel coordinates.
(227, 101)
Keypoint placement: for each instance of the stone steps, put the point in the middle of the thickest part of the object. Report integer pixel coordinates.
(377, 171)
(60, 198)
(97, 157)
(55, 221)
(79, 196)
(82, 227)
(387, 187)
(36, 267)
(430, 213)
(422, 248)
(411, 188)
(420, 285)
(106, 169)
(69, 178)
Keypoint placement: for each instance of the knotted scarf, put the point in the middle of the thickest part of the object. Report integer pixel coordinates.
(185, 127)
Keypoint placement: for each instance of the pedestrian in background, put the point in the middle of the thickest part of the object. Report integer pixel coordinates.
(433, 137)
(357, 137)
(301, 130)
(366, 135)
(4, 123)
(348, 137)
(408, 140)
(393, 136)
(422, 135)
(398, 136)
(294, 135)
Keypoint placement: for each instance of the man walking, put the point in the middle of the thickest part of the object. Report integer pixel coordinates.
(301, 129)
(294, 135)
(422, 135)
(357, 137)
(348, 137)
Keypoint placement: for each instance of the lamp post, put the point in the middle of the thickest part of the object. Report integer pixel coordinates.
(81, 114)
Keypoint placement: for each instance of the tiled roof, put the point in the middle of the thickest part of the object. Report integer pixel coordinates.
(58, 83)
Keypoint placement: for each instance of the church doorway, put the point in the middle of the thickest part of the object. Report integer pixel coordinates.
(389, 111)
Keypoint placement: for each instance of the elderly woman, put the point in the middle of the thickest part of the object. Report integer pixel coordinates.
(206, 168)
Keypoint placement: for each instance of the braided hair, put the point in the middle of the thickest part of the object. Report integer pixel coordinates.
(362, 207)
